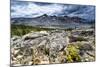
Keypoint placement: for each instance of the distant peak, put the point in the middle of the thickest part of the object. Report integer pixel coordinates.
(45, 15)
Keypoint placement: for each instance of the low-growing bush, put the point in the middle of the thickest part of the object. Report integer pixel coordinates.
(73, 54)
(86, 33)
(69, 29)
(20, 30)
(75, 39)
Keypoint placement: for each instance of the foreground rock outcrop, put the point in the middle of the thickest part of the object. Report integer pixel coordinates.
(38, 47)
(49, 47)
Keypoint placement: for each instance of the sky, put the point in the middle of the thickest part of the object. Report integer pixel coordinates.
(33, 9)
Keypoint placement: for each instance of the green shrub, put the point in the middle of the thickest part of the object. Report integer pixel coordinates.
(75, 39)
(73, 54)
(86, 33)
(69, 29)
(20, 30)
(81, 39)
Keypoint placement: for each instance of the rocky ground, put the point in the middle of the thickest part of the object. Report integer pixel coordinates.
(56, 46)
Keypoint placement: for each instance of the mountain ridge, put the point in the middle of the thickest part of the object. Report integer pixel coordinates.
(50, 20)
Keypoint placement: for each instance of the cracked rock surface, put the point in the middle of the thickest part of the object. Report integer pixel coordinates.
(38, 48)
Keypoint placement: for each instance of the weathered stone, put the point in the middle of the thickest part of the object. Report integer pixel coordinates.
(39, 45)
(47, 47)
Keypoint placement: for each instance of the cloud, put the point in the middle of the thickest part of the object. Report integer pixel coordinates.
(33, 9)
(86, 12)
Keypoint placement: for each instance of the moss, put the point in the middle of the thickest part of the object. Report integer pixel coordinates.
(73, 54)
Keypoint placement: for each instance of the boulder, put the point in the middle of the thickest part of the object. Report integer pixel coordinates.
(38, 44)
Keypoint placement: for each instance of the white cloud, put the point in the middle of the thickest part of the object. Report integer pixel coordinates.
(33, 9)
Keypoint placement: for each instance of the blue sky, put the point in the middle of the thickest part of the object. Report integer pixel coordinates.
(34, 9)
